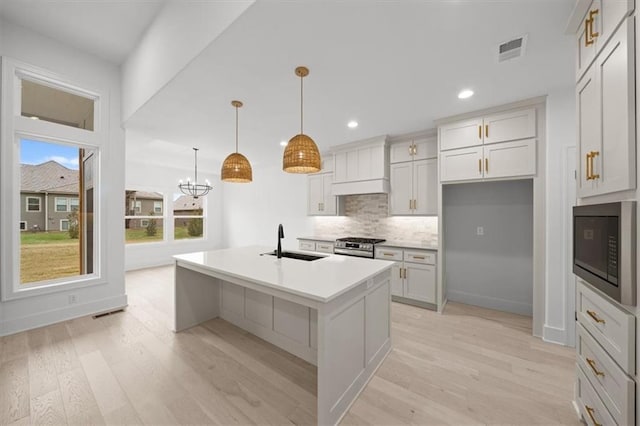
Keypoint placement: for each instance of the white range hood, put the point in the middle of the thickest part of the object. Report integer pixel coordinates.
(361, 167)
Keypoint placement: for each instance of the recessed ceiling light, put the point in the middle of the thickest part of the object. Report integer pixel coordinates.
(465, 94)
(33, 117)
(352, 124)
(283, 143)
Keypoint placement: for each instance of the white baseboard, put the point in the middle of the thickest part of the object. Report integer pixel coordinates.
(53, 316)
(490, 302)
(554, 335)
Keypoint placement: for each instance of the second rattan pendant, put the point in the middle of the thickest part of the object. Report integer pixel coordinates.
(236, 167)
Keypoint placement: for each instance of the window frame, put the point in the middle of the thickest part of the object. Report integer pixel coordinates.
(162, 217)
(60, 228)
(26, 226)
(56, 204)
(157, 209)
(13, 128)
(26, 208)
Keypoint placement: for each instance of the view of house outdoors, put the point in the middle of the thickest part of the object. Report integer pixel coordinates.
(49, 207)
(145, 212)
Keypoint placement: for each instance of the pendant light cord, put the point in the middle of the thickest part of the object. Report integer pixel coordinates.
(196, 161)
(301, 104)
(236, 129)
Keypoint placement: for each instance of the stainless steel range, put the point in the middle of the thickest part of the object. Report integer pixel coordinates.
(352, 246)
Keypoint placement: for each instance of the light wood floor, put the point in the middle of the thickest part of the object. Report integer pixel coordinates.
(468, 366)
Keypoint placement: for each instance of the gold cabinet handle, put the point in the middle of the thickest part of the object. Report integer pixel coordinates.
(590, 412)
(418, 257)
(592, 15)
(387, 254)
(486, 165)
(405, 273)
(588, 166)
(595, 317)
(411, 149)
(415, 149)
(587, 32)
(480, 165)
(479, 131)
(410, 205)
(594, 154)
(415, 204)
(400, 271)
(592, 364)
(486, 130)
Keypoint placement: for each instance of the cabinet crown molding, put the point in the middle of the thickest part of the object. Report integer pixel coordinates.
(378, 140)
(538, 100)
(423, 134)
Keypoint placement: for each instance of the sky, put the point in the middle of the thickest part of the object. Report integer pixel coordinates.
(36, 152)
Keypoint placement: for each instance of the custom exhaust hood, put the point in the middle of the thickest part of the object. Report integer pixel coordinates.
(361, 167)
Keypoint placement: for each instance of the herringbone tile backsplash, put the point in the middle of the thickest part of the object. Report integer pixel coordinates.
(368, 216)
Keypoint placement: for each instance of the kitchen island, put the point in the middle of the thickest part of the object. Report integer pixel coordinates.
(333, 312)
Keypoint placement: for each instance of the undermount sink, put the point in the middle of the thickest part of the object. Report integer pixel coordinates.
(294, 255)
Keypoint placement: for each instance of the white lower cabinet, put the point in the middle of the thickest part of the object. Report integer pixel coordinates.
(605, 358)
(413, 276)
(319, 246)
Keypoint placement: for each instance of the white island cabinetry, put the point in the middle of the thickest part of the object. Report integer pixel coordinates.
(333, 312)
(413, 275)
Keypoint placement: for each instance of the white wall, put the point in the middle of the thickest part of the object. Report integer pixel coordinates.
(560, 284)
(252, 212)
(179, 33)
(29, 312)
(144, 177)
(494, 270)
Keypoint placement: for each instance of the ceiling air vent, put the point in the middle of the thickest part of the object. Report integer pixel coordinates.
(512, 48)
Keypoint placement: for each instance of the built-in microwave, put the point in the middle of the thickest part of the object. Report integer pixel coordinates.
(604, 248)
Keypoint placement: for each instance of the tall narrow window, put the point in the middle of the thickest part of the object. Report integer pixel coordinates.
(143, 221)
(188, 214)
(59, 242)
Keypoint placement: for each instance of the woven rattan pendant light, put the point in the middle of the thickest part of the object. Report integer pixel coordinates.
(301, 154)
(236, 168)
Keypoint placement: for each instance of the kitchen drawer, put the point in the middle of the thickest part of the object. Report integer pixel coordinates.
(323, 247)
(427, 258)
(615, 388)
(613, 328)
(388, 254)
(307, 245)
(591, 407)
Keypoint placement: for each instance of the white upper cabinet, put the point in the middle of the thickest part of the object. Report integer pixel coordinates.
(320, 200)
(461, 134)
(596, 28)
(414, 177)
(605, 100)
(503, 145)
(510, 126)
(361, 167)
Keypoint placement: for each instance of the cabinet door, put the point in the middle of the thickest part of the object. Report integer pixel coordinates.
(461, 134)
(315, 196)
(307, 245)
(340, 167)
(425, 187)
(425, 148)
(586, 43)
(610, 14)
(588, 112)
(401, 188)
(329, 203)
(396, 280)
(510, 126)
(615, 164)
(510, 159)
(420, 282)
(401, 152)
(461, 164)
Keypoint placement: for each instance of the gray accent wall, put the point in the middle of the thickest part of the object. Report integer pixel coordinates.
(494, 270)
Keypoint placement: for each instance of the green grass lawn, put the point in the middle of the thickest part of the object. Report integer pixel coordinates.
(140, 235)
(45, 237)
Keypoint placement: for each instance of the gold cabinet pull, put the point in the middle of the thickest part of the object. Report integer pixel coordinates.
(486, 165)
(590, 412)
(479, 131)
(592, 15)
(480, 165)
(387, 254)
(588, 166)
(400, 271)
(415, 149)
(415, 204)
(595, 317)
(405, 273)
(410, 205)
(411, 149)
(418, 257)
(486, 130)
(592, 364)
(594, 154)
(587, 32)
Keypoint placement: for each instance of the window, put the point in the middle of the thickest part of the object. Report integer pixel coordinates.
(62, 204)
(23, 225)
(188, 216)
(57, 251)
(143, 222)
(33, 204)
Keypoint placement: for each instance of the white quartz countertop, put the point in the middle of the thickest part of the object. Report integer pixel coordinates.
(321, 280)
(409, 245)
(320, 238)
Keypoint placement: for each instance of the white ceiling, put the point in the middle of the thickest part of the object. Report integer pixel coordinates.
(109, 29)
(392, 66)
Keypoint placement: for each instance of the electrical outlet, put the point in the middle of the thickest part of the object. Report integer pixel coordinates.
(480, 230)
(73, 298)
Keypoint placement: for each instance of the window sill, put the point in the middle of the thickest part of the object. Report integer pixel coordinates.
(50, 287)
